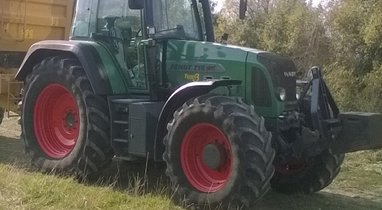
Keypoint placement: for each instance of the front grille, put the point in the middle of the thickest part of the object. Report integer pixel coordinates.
(283, 73)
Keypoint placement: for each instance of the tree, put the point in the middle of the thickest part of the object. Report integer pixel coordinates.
(356, 30)
(295, 29)
(243, 32)
(344, 37)
(288, 27)
(356, 41)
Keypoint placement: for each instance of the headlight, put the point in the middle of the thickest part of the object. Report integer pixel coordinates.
(281, 93)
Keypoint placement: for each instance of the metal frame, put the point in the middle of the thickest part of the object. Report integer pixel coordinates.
(323, 109)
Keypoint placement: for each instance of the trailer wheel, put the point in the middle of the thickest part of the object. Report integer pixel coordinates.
(307, 176)
(218, 153)
(65, 126)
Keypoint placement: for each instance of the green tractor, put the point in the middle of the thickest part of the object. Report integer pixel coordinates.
(144, 79)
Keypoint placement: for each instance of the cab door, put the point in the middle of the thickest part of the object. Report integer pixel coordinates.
(121, 29)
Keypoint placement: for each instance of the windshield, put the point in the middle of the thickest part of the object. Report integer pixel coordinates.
(176, 14)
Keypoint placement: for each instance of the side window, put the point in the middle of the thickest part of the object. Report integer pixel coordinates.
(81, 24)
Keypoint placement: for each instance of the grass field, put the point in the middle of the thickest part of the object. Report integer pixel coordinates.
(128, 186)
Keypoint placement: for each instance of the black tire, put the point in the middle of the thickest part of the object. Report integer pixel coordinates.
(92, 149)
(315, 174)
(251, 152)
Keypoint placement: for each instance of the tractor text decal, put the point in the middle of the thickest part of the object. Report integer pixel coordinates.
(192, 77)
(202, 67)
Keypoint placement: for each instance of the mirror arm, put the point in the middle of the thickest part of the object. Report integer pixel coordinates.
(243, 9)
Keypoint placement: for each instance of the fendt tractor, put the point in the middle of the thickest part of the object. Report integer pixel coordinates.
(145, 79)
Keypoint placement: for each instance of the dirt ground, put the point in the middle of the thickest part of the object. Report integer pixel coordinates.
(343, 194)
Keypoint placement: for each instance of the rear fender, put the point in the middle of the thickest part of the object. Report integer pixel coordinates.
(88, 54)
(176, 100)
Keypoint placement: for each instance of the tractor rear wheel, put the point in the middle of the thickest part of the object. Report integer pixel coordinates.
(218, 153)
(65, 126)
(307, 176)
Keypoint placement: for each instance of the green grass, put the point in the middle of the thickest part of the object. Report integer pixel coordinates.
(361, 174)
(122, 188)
(20, 189)
(128, 186)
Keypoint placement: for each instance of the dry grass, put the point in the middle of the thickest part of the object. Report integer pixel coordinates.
(133, 186)
(361, 176)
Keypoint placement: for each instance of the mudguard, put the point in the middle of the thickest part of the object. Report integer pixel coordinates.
(93, 57)
(176, 100)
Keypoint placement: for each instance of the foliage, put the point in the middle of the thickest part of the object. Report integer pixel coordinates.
(344, 85)
(344, 37)
(292, 28)
(295, 29)
(355, 27)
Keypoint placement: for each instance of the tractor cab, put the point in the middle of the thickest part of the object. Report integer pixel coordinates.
(131, 29)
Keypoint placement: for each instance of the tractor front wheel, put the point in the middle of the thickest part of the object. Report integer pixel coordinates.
(309, 175)
(65, 126)
(218, 153)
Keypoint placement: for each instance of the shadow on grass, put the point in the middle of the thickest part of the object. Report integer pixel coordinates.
(317, 201)
(139, 178)
(12, 151)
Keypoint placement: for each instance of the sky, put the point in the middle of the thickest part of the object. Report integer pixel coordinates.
(317, 2)
(220, 3)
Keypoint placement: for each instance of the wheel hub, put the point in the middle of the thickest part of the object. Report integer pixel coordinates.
(213, 156)
(70, 119)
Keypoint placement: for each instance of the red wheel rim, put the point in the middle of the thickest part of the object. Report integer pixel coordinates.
(291, 168)
(56, 121)
(195, 142)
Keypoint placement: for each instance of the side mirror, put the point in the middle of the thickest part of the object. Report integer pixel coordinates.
(136, 4)
(243, 9)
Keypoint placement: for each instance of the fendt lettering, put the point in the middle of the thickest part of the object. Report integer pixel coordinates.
(290, 74)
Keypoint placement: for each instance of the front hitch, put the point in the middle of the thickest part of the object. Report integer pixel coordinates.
(341, 132)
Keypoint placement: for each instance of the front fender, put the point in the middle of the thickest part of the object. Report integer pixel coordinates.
(176, 100)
